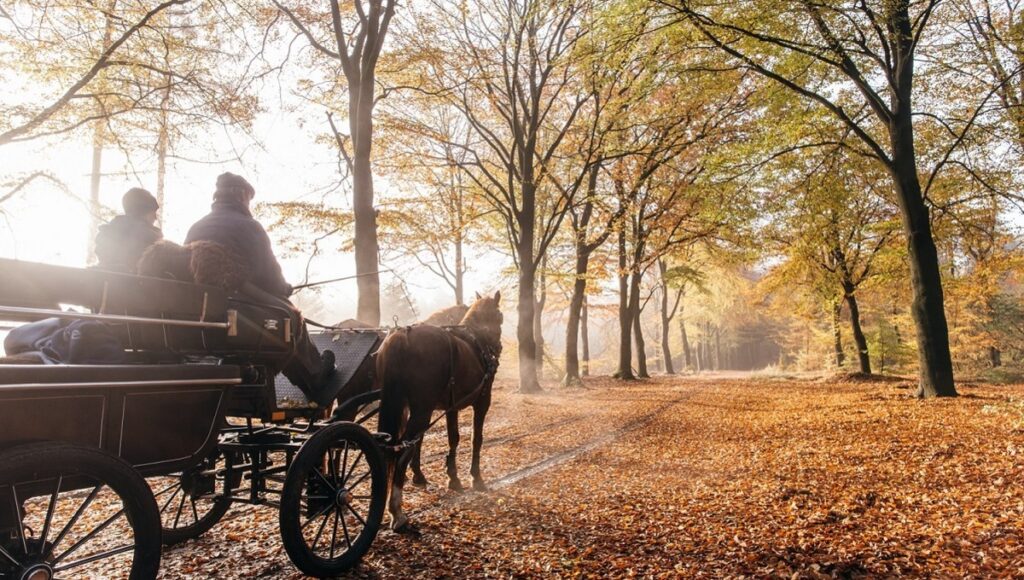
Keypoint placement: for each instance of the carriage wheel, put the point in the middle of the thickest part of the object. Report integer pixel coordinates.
(71, 511)
(333, 499)
(189, 506)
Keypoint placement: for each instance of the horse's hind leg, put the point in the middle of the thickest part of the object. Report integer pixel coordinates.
(418, 479)
(479, 412)
(452, 420)
(417, 424)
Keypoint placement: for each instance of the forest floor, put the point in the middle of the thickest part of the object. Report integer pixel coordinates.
(706, 476)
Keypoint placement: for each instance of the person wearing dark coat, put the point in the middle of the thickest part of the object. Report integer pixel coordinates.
(120, 243)
(230, 223)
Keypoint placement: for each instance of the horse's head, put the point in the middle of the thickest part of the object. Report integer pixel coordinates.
(484, 316)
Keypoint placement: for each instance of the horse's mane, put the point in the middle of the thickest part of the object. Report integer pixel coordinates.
(448, 316)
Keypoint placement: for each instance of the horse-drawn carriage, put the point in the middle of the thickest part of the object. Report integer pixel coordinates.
(100, 464)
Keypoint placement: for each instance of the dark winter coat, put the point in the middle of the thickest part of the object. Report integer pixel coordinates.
(230, 224)
(120, 243)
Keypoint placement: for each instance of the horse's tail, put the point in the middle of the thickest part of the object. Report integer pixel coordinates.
(389, 381)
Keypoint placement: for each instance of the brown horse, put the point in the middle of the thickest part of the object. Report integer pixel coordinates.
(424, 368)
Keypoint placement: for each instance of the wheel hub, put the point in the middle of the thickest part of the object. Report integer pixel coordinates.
(343, 497)
(41, 571)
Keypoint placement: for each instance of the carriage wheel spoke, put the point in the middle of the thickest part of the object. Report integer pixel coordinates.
(344, 463)
(181, 506)
(90, 535)
(344, 528)
(356, 514)
(166, 489)
(9, 556)
(95, 557)
(361, 479)
(324, 479)
(316, 515)
(49, 515)
(177, 489)
(334, 533)
(195, 512)
(17, 514)
(74, 519)
(352, 468)
(319, 532)
(332, 466)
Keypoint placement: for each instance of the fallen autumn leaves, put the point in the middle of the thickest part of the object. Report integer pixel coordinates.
(683, 477)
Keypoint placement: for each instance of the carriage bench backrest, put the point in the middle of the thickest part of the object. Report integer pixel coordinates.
(206, 321)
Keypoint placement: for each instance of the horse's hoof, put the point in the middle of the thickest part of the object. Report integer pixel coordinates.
(456, 486)
(419, 481)
(408, 529)
(479, 485)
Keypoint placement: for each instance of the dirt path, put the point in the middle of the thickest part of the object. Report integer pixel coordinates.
(700, 478)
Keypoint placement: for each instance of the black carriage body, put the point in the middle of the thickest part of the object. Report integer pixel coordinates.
(158, 418)
(196, 357)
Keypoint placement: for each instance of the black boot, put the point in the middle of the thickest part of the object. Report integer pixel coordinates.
(326, 387)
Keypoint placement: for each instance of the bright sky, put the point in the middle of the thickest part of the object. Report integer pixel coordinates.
(48, 225)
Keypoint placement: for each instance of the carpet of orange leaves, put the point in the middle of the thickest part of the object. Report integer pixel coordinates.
(710, 477)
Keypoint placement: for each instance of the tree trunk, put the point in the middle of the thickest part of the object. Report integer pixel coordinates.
(837, 335)
(573, 327)
(365, 242)
(585, 339)
(928, 312)
(666, 349)
(162, 146)
(936, 364)
(995, 357)
(538, 320)
(625, 315)
(577, 303)
(638, 335)
(718, 349)
(859, 339)
(460, 267)
(687, 362)
(95, 208)
(528, 380)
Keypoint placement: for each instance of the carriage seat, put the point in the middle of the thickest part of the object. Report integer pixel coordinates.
(261, 332)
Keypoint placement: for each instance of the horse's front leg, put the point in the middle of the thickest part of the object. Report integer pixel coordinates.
(452, 421)
(479, 412)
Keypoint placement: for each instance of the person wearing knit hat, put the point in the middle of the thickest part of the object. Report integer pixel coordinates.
(120, 243)
(230, 224)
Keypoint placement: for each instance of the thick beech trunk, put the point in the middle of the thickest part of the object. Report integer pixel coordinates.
(528, 380)
(365, 242)
(573, 328)
(927, 310)
(859, 340)
(625, 370)
(638, 335)
(666, 320)
(837, 335)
